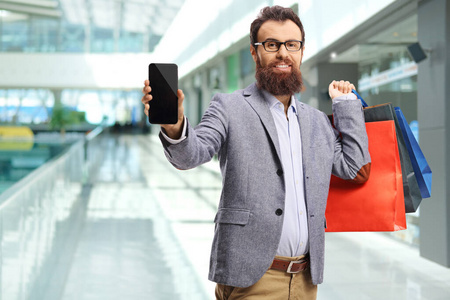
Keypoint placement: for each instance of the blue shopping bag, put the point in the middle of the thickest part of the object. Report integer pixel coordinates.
(411, 190)
(420, 165)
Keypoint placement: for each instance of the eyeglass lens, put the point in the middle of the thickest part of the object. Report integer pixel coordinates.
(275, 45)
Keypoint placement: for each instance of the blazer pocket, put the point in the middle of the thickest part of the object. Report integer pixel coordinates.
(232, 216)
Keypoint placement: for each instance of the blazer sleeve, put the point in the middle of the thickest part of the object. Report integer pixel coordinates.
(203, 141)
(351, 149)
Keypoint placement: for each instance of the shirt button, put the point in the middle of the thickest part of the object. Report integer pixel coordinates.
(301, 212)
(280, 172)
(279, 212)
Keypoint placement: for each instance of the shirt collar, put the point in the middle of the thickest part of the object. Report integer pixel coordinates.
(272, 101)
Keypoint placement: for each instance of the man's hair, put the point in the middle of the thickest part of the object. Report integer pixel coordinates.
(275, 13)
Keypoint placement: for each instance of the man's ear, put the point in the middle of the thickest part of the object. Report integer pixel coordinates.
(253, 53)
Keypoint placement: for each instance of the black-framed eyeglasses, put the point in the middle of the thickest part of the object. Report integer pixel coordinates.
(274, 46)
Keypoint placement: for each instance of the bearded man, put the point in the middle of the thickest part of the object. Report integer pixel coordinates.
(276, 157)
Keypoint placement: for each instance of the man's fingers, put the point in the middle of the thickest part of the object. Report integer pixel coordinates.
(331, 86)
(146, 89)
(146, 98)
(344, 87)
(341, 86)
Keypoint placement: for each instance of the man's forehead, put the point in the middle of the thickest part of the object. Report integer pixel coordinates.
(277, 30)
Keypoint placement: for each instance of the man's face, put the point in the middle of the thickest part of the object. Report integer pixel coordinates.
(278, 72)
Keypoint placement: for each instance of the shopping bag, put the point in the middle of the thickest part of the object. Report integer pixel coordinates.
(376, 205)
(420, 165)
(411, 189)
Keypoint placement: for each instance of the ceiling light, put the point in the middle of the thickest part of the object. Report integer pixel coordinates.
(333, 55)
(4, 13)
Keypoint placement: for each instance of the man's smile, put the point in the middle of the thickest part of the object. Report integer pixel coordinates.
(283, 67)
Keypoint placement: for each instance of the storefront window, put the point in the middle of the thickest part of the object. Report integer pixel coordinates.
(386, 71)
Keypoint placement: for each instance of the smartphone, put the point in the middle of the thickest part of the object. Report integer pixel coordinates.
(164, 83)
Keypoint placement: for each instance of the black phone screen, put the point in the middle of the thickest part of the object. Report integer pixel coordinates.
(164, 83)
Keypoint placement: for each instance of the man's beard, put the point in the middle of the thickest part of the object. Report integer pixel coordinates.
(278, 83)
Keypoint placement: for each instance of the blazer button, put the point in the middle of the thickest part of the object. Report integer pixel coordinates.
(280, 172)
(279, 212)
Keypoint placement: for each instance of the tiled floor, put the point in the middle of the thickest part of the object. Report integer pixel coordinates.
(148, 232)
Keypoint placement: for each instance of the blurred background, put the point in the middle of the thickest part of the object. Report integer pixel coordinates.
(71, 122)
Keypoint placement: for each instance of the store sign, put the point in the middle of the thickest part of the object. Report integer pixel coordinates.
(388, 76)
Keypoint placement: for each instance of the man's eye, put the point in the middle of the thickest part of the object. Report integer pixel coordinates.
(272, 44)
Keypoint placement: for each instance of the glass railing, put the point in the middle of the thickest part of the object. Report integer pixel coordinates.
(41, 217)
(20, 157)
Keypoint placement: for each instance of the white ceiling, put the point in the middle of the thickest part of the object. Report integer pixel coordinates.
(143, 16)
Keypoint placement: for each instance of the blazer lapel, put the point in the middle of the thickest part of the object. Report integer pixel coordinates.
(256, 100)
(303, 120)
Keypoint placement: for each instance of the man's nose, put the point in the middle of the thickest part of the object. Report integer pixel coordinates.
(282, 52)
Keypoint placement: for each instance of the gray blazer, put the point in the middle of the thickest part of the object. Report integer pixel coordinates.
(239, 128)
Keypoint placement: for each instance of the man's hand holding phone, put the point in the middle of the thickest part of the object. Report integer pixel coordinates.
(163, 100)
(172, 130)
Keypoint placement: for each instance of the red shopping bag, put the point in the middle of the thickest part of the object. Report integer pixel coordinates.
(378, 204)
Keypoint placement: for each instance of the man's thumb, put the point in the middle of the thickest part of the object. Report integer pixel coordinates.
(180, 95)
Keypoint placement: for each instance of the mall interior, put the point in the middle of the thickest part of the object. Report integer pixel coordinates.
(90, 208)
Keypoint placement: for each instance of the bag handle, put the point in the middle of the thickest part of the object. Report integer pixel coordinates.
(364, 104)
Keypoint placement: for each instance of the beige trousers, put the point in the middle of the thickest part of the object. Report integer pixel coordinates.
(274, 284)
